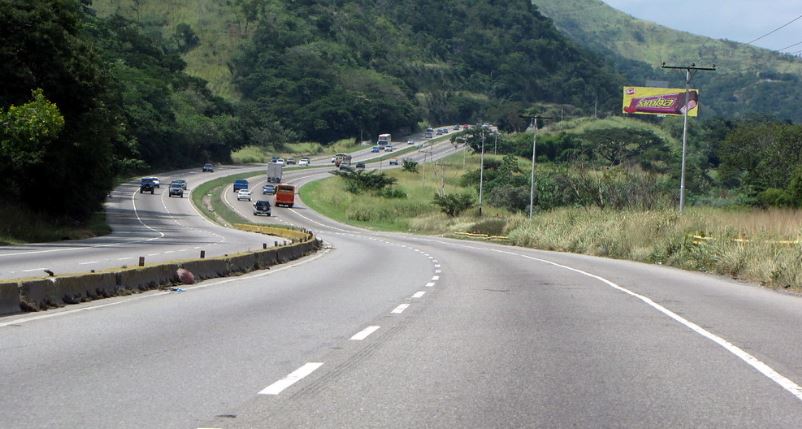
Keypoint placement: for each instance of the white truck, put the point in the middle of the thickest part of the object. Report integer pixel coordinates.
(274, 172)
(384, 140)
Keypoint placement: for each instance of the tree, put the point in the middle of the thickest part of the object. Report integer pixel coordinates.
(453, 204)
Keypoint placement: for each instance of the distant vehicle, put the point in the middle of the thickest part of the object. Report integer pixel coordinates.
(181, 182)
(429, 133)
(269, 189)
(243, 194)
(208, 168)
(176, 189)
(342, 159)
(274, 159)
(410, 141)
(465, 126)
(155, 180)
(261, 207)
(290, 161)
(439, 132)
(280, 161)
(360, 165)
(388, 148)
(146, 185)
(285, 195)
(333, 159)
(375, 149)
(240, 184)
(274, 173)
(456, 127)
(394, 161)
(344, 167)
(444, 130)
(304, 162)
(384, 139)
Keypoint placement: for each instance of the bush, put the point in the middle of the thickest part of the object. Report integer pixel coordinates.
(358, 181)
(392, 193)
(410, 166)
(489, 227)
(774, 197)
(453, 204)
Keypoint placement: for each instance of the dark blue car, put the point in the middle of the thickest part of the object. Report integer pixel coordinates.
(240, 184)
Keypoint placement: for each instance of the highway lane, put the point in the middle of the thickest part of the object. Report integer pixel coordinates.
(154, 226)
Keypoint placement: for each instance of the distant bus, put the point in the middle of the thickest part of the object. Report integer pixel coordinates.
(384, 139)
(342, 159)
(285, 195)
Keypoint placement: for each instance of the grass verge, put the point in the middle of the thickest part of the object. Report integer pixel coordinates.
(19, 225)
(763, 246)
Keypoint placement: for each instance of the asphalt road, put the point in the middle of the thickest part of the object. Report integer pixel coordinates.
(395, 330)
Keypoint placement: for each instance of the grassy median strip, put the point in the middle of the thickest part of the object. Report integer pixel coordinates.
(207, 197)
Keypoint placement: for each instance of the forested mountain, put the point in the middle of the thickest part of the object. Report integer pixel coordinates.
(749, 80)
(326, 70)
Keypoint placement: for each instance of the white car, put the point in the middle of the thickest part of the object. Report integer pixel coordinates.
(280, 161)
(244, 194)
(303, 161)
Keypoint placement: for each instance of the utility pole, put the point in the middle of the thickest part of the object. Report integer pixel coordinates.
(532, 177)
(481, 170)
(690, 71)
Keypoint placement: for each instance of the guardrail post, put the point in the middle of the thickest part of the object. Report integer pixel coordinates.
(203, 254)
(275, 244)
(141, 261)
(264, 245)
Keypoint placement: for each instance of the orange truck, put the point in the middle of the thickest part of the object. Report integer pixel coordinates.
(285, 195)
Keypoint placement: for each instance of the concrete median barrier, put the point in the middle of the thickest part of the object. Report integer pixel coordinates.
(146, 278)
(86, 287)
(242, 263)
(204, 269)
(41, 294)
(9, 298)
(36, 295)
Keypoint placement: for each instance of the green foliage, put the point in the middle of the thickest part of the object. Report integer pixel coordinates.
(360, 181)
(328, 70)
(453, 204)
(410, 166)
(26, 130)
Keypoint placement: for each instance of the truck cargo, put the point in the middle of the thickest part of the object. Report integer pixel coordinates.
(274, 173)
(285, 195)
(384, 140)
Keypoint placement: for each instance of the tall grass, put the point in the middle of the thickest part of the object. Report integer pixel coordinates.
(660, 236)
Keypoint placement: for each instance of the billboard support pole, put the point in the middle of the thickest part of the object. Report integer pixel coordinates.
(689, 72)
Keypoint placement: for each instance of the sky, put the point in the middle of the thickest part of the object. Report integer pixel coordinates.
(736, 20)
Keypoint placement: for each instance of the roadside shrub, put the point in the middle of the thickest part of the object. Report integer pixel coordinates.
(410, 166)
(358, 181)
(453, 204)
(392, 193)
(773, 197)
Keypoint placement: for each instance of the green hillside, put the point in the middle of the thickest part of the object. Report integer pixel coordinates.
(749, 80)
(220, 28)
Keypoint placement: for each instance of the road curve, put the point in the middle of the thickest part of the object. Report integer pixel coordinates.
(396, 330)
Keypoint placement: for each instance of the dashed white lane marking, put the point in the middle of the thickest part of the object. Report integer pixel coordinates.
(435, 278)
(419, 294)
(88, 262)
(750, 360)
(124, 259)
(438, 271)
(361, 335)
(437, 265)
(400, 309)
(169, 251)
(292, 378)
(430, 284)
(34, 269)
(153, 254)
(430, 257)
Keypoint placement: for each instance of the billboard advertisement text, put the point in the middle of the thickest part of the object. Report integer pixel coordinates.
(660, 101)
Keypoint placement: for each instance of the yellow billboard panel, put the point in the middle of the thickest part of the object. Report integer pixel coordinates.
(660, 101)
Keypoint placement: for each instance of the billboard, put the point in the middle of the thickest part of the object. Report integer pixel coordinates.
(660, 101)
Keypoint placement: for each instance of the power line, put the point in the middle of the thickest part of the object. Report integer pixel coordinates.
(790, 46)
(775, 30)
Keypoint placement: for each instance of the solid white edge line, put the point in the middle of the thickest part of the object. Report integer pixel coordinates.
(750, 360)
(292, 378)
(419, 294)
(400, 309)
(361, 335)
